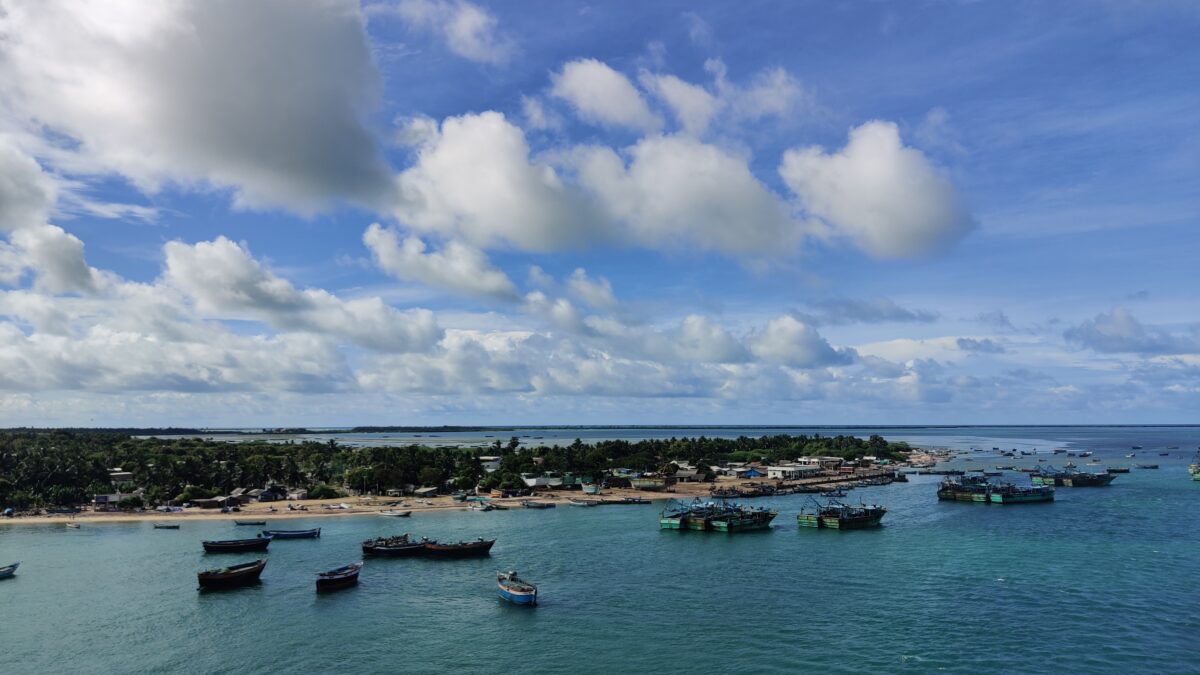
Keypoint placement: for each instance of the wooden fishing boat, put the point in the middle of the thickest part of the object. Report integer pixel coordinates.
(293, 534)
(529, 504)
(396, 514)
(394, 547)
(258, 523)
(236, 545)
(342, 577)
(463, 549)
(515, 589)
(166, 526)
(583, 502)
(8, 571)
(232, 576)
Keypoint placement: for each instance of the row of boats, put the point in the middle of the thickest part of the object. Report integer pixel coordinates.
(709, 516)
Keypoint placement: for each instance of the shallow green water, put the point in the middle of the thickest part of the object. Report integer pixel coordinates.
(1102, 580)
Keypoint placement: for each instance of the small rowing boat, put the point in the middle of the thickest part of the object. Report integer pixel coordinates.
(236, 545)
(396, 514)
(293, 534)
(516, 590)
(342, 577)
(73, 526)
(8, 571)
(583, 502)
(232, 576)
(529, 504)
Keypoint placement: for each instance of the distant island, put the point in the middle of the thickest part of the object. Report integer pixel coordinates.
(67, 467)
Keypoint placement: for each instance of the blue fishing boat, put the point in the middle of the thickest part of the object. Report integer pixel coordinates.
(8, 571)
(516, 590)
(293, 534)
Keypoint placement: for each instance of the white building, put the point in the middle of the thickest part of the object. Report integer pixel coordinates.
(491, 463)
(792, 471)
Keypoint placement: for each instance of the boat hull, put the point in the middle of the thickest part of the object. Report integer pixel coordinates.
(516, 597)
(241, 546)
(293, 534)
(233, 577)
(467, 550)
(8, 571)
(402, 551)
(336, 580)
(671, 523)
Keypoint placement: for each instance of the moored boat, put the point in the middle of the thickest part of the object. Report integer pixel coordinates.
(314, 533)
(1071, 478)
(396, 514)
(463, 549)
(839, 516)
(257, 523)
(8, 571)
(337, 579)
(236, 545)
(625, 500)
(1118, 469)
(232, 576)
(515, 589)
(394, 547)
(583, 502)
(978, 489)
(1146, 466)
(530, 504)
(166, 526)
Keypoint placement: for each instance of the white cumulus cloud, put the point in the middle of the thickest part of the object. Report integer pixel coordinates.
(603, 96)
(457, 266)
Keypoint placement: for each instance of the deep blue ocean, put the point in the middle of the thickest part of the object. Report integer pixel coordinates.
(1103, 580)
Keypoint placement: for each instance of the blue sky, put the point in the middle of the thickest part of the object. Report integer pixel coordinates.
(427, 211)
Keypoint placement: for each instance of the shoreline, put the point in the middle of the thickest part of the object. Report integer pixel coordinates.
(366, 506)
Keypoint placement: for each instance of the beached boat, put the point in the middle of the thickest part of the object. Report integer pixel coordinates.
(401, 546)
(232, 576)
(396, 514)
(342, 577)
(166, 526)
(838, 516)
(583, 502)
(591, 489)
(625, 500)
(8, 571)
(516, 590)
(314, 533)
(481, 507)
(463, 549)
(537, 505)
(256, 523)
(236, 545)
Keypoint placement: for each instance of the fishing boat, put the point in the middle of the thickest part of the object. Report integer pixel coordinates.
(583, 502)
(166, 526)
(1118, 469)
(1089, 453)
(1071, 478)
(342, 577)
(237, 545)
(8, 571)
(314, 533)
(734, 518)
(834, 494)
(401, 546)
(1146, 466)
(712, 516)
(256, 523)
(232, 576)
(1137, 447)
(515, 589)
(396, 514)
(839, 516)
(481, 507)
(73, 526)
(978, 489)
(1130, 454)
(1194, 467)
(463, 549)
(529, 504)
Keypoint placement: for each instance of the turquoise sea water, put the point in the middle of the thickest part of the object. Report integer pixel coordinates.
(1102, 580)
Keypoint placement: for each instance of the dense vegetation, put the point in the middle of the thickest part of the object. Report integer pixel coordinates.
(67, 467)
